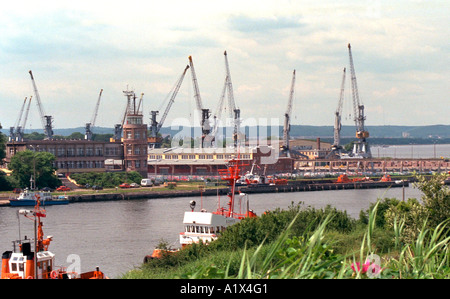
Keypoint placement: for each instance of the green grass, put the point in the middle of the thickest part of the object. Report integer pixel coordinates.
(316, 253)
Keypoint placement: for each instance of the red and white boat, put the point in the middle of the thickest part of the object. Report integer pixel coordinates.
(25, 263)
(203, 226)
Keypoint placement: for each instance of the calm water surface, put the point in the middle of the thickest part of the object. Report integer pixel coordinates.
(416, 151)
(117, 235)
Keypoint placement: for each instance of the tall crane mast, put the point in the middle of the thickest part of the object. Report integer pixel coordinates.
(13, 130)
(231, 103)
(233, 112)
(338, 115)
(155, 141)
(128, 109)
(336, 148)
(287, 120)
(21, 129)
(88, 135)
(361, 147)
(45, 119)
(204, 123)
(218, 113)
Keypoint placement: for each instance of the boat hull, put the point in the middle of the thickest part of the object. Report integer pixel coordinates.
(30, 202)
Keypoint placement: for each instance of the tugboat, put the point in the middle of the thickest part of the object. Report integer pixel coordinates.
(23, 262)
(205, 226)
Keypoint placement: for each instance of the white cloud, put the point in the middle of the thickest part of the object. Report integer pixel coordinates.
(75, 48)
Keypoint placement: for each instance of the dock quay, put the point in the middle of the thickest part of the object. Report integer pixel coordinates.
(295, 186)
(381, 165)
(245, 189)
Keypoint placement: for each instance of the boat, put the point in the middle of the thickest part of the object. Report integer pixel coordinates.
(28, 198)
(251, 179)
(25, 263)
(203, 226)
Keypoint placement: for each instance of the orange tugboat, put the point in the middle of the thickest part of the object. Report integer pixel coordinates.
(205, 226)
(23, 263)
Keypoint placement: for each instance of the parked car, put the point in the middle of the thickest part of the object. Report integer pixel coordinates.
(146, 183)
(47, 189)
(125, 185)
(17, 190)
(95, 187)
(134, 185)
(63, 188)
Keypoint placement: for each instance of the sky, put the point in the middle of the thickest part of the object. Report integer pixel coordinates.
(400, 50)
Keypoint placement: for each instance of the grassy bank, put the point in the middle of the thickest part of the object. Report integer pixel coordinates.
(318, 252)
(393, 239)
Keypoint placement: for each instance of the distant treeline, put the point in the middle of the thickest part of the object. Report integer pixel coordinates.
(394, 141)
(378, 134)
(74, 135)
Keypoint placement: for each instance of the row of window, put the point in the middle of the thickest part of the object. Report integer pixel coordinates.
(314, 153)
(136, 150)
(138, 134)
(195, 157)
(79, 164)
(203, 229)
(136, 164)
(74, 152)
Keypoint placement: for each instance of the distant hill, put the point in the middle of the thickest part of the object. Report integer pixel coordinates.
(301, 131)
(434, 131)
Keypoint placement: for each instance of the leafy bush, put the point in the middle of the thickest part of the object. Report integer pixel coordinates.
(106, 179)
(436, 198)
(252, 231)
(37, 164)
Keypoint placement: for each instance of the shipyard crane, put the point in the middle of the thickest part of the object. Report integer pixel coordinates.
(118, 127)
(285, 151)
(218, 114)
(88, 135)
(13, 130)
(232, 104)
(336, 148)
(154, 140)
(204, 123)
(233, 112)
(360, 147)
(20, 131)
(45, 119)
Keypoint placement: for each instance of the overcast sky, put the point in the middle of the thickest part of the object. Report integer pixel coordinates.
(401, 53)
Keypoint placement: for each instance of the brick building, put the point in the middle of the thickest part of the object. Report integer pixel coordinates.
(72, 155)
(207, 161)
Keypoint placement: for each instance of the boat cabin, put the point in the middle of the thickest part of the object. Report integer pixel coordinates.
(21, 264)
(203, 226)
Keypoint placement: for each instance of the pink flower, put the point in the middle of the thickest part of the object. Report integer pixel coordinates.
(373, 268)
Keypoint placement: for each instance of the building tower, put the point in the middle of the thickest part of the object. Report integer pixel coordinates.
(135, 136)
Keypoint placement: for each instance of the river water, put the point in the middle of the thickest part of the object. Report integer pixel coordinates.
(412, 151)
(117, 235)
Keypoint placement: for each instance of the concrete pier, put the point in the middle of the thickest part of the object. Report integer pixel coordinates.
(373, 165)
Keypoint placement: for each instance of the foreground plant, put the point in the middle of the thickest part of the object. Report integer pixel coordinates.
(308, 256)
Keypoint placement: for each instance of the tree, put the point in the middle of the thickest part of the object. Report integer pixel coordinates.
(436, 197)
(433, 209)
(75, 135)
(37, 164)
(2, 146)
(34, 136)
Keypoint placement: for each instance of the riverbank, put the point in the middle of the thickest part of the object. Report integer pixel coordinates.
(162, 192)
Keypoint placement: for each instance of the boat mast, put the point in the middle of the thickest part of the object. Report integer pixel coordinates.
(231, 174)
